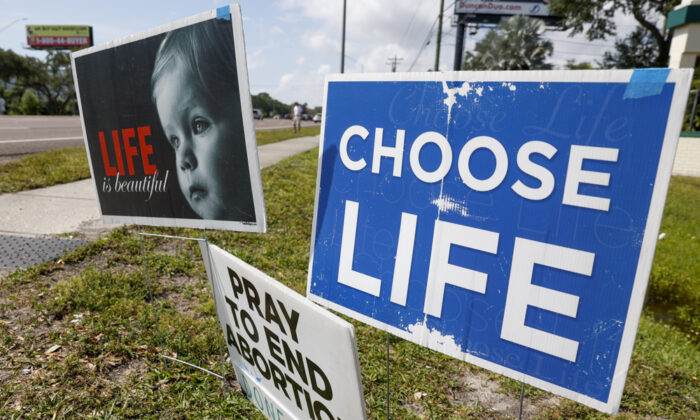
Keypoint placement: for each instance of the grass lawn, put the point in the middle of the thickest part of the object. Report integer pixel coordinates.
(674, 288)
(272, 136)
(94, 305)
(68, 165)
(44, 169)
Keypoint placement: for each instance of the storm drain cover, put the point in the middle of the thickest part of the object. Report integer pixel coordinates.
(20, 251)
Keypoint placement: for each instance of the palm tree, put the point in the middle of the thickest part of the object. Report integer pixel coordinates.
(514, 45)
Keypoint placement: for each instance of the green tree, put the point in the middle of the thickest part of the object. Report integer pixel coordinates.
(637, 50)
(14, 69)
(268, 105)
(596, 18)
(53, 81)
(12, 66)
(30, 103)
(50, 80)
(515, 44)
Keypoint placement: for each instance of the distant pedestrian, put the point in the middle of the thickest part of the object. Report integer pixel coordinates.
(2, 106)
(296, 118)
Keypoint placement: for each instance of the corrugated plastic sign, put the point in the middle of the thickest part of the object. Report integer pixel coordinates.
(508, 219)
(293, 359)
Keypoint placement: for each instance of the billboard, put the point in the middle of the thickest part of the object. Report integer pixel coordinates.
(59, 36)
(167, 122)
(507, 219)
(498, 7)
(292, 358)
(492, 11)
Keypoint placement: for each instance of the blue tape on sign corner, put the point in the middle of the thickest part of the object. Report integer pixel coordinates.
(646, 82)
(223, 13)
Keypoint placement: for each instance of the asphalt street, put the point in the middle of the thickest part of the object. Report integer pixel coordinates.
(22, 135)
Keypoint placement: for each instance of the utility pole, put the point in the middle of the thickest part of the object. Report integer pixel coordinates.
(459, 44)
(342, 43)
(439, 36)
(394, 61)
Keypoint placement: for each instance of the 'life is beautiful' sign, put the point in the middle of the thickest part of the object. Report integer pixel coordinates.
(168, 126)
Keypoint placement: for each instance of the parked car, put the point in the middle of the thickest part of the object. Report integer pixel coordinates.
(317, 118)
(257, 114)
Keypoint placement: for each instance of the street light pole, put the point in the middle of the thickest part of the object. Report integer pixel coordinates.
(439, 37)
(342, 43)
(12, 23)
(459, 46)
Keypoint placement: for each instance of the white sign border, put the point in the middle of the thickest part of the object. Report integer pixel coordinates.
(680, 77)
(260, 224)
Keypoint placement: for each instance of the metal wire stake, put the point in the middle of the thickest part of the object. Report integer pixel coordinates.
(207, 371)
(219, 331)
(522, 396)
(387, 375)
(150, 292)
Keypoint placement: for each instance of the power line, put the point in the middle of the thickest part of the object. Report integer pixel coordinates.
(428, 37)
(425, 44)
(410, 22)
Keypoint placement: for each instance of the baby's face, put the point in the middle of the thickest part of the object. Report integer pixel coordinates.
(201, 133)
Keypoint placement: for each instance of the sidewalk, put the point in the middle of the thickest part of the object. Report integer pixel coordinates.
(73, 207)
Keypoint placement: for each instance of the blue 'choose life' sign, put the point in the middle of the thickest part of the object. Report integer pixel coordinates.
(507, 219)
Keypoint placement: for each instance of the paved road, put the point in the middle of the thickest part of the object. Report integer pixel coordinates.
(22, 135)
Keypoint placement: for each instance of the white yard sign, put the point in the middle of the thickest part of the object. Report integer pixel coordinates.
(292, 358)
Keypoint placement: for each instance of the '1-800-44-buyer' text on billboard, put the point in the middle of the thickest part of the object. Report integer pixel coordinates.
(59, 36)
(507, 219)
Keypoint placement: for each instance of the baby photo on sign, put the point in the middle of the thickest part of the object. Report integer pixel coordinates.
(168, 126)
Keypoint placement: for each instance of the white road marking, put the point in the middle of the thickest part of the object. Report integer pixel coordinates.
(39, 140)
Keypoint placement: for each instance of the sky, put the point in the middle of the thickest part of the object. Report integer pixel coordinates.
(292, 44)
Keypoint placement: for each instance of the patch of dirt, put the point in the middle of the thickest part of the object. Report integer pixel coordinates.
(477, 389)
(170, 247)
(5, 375)
(480, 389)
(94, 229)
(122, 374)
(174, 288)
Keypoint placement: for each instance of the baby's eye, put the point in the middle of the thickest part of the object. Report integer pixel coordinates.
(199, 125)
(174, 141)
